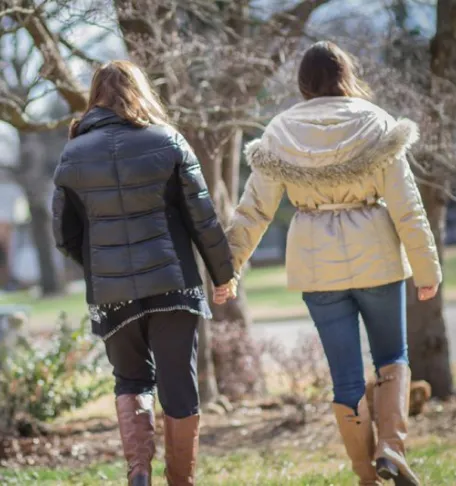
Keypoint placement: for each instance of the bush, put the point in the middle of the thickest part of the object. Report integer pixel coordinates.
(237, 360)
(44, 380)
(302, 370)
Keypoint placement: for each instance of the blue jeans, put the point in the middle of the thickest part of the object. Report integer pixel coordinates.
(336, 316)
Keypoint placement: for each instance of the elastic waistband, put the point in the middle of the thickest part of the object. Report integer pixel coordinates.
(340, 206)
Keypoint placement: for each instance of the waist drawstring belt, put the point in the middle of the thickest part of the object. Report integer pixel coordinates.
(341, 206)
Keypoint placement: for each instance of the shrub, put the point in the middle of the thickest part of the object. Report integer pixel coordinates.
(237, 360)
(45, 379)
(302, 369)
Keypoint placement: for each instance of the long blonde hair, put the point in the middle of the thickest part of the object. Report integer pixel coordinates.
(122, 87)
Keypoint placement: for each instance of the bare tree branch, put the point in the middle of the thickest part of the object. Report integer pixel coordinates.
(54, 68)
(16, 10)
(75, 51)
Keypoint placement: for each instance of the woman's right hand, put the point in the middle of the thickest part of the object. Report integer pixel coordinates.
(427, 293)
(225, 292)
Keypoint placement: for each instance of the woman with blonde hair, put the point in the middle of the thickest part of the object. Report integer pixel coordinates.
(359, 231)
(130, 199)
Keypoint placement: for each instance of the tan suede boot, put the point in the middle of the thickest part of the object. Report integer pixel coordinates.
(358, 436)
(181, 449)
(135, 414)
(391, 405)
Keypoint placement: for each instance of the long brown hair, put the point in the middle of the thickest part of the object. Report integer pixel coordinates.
(123, 87)
(327, 70)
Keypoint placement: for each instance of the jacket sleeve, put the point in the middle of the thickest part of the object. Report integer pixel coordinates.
(201, 219)
(406, 209)
(258, 205)
(67, 225)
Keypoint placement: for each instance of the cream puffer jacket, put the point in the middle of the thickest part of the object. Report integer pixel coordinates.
(359, 218)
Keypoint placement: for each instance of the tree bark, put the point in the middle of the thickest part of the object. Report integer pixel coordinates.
(33, 176)
(429, 354)
(208, 388)
(51, 281)
(428, 343)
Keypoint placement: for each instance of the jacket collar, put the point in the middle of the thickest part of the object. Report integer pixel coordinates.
(329, 142)
(98, 117)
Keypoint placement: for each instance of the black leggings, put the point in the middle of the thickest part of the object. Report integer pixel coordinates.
(158, 351)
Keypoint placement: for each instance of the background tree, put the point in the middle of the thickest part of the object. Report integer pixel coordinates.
(422, 88)
(25, 38)
(210, 61)
(429, 353)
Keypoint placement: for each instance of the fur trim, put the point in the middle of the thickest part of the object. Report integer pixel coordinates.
(388, 149)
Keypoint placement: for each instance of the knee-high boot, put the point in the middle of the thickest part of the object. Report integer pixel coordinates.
(358, 437)
(135, 414)
(391, 406)
(181, 450)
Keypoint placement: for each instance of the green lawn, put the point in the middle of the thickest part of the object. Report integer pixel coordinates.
(266, 290)
(450, 270)
(267, 286)
(434, 463)
(71, 303)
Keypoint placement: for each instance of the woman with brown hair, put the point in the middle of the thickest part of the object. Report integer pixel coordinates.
(130, 200)
(359, 231)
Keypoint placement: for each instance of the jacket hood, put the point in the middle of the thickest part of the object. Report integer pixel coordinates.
(329, 141)
(98, 117)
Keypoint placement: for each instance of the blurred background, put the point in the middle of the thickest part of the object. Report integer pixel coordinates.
(223, 68)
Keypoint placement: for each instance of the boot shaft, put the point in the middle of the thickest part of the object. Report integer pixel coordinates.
(135, 414)
(357, 434)
(391, 405)
(181, 449)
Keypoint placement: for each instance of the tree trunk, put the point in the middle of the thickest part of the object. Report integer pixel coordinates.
(208, 389)
(33, 176)
(51, 281)
(428, 343)
(429, 355)
(225, 197)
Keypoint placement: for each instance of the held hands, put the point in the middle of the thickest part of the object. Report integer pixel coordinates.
(427, 293)
(225, 292)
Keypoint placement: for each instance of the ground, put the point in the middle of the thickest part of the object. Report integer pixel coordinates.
(273, 442)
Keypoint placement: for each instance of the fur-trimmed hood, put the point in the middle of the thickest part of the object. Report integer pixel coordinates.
(328, 141)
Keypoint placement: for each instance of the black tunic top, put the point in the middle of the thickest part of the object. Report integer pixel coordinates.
(107, 319)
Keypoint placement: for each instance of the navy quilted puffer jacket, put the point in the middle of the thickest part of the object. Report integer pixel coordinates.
(127, 206)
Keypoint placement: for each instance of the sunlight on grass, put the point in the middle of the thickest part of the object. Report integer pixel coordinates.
(434, 463)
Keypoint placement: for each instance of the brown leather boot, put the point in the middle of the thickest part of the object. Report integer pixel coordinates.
(358, 436)
(135, 414)
(391, 405)
(181, 449)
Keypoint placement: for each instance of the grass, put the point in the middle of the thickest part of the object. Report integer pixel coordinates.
(450, 270)
(266, 289)
(268, 286)
(433, 461)
(71, 303)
